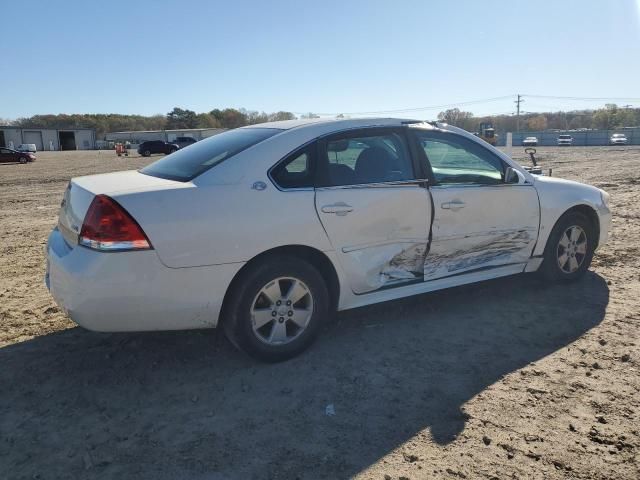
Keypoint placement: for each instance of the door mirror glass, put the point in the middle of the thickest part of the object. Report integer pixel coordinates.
(511, 175)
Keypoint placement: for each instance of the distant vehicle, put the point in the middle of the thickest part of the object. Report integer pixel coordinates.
(8, 155)
(27, 147)
(530, 142)
(565, 140)
(157, 146)
(488, 133)
(184, 141)
(618, 139)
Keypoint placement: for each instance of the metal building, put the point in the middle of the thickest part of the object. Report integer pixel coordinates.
(137, 137)
(49, 138)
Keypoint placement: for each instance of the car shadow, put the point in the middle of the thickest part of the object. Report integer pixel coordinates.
(177, 405)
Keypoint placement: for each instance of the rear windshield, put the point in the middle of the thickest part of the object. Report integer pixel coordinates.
(186, 164)
(565, 137)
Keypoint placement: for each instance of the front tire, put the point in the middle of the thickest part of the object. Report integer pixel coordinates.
(569, 249)
(146, 153)
(23, 160)
(276, 308)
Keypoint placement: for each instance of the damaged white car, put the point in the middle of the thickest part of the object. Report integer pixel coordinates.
(266, 230)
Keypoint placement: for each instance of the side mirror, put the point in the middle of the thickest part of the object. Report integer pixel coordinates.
(511, 176)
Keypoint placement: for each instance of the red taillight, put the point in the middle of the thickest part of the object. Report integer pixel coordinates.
(108, 226)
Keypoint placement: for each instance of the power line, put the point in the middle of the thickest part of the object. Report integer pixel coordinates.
(588, 99)
(417, 109)
(520, 99)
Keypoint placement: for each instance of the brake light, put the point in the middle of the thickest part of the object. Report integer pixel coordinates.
(108, 226)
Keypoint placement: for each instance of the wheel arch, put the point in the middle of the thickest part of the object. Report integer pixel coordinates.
(586, 210)
(311, 255)
(589, 212)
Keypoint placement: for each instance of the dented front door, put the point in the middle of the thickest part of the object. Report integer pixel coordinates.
(379, 232)
(478, 227)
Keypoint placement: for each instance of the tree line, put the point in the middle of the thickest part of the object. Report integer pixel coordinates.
(610, 117)
(178, 118)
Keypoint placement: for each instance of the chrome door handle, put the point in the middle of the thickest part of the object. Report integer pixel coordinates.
(455, 205)
(339, 208)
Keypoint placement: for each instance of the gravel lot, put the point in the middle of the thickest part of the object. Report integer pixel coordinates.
(506, 379)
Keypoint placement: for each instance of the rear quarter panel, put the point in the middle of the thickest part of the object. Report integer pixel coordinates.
(217, 224)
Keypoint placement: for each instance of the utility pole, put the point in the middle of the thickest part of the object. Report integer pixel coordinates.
(518, 102)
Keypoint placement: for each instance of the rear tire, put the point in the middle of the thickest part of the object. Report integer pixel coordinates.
(569, 249)
(146, 153)
(276, 308)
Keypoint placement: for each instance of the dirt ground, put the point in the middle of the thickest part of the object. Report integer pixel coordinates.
(507, 379)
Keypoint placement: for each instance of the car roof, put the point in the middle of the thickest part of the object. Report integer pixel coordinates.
(339, 123)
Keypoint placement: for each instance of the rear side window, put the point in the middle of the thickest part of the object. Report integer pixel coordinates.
(295, 171)
(370, 158)
(185, 165)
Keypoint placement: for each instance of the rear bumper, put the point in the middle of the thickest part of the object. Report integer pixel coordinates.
(133, 291)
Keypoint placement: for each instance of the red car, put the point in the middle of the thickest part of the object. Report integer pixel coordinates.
(10, 155)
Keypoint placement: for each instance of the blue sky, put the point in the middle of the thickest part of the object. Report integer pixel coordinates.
(325, 56)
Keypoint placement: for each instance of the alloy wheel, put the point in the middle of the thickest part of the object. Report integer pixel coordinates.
(281, 311)
(572, 249)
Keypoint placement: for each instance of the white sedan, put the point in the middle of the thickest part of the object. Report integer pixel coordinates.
(618, 139)
(266, 230)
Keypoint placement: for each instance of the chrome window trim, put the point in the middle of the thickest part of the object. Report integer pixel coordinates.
(480, 185)
(398, 183)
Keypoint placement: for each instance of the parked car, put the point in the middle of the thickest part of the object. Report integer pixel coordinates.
(268, 229)
(8, 155)
(184, 141)
(157, 146)
(27, 147)
(530, 142)
(565, 140)
(618, 139)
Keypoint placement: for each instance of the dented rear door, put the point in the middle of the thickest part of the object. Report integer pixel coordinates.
(376, 213)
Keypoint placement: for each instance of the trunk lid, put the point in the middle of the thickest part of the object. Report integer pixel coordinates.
(81, 190)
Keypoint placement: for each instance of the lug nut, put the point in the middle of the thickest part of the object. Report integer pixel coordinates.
(273, 314)
(288, 302)
(281, 319)
(278, 303)
(290, 313)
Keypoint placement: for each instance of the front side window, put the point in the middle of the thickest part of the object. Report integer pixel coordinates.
(370, 158)
(457, 160)
(185, 165)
